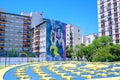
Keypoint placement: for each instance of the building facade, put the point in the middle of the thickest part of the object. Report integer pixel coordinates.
(14, 32)
(52, 40)
(109, 19)
(36, 18)
(88, 39)
(73, 35)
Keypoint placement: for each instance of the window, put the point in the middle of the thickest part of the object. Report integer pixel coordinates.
(109, 6)
(116, 30)
(102, 15)
(115, 3)
(117, 35)
(115, 9)
(117, 41)
(115, 14)
(116, 20)
(109, 13)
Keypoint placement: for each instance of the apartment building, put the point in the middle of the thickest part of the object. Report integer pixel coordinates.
(14, 32)
(88, 39)
(36, 17)
(109, 19)
(50, 42)
(73, 35)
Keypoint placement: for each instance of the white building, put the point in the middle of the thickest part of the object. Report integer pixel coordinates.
(109, 19)
(88, 39)
(73, 35)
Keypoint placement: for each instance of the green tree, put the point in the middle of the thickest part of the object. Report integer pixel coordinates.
(69, 51)
(12, 53)
(115, 51)
(102, 42)
(79, 50)
(103, 55)
(89, 52)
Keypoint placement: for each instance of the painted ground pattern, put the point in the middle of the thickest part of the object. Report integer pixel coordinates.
(65, 71)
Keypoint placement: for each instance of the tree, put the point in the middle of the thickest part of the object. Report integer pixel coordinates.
(103, 55)
(115, 51)
(69, 51)
(12, 53)
(89, 52)
(102, 42)
(79, 50)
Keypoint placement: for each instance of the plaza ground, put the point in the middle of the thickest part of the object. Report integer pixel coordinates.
(62, 71)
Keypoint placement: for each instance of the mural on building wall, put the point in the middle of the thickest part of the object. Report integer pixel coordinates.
(55, 40)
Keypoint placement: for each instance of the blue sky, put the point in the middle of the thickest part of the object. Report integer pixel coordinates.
(82, 13)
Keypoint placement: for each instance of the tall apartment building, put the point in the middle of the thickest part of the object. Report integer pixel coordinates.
(73, 35)
(88, 39)
(109, 19)
(14, 32)
(36, 17)
(49, 40)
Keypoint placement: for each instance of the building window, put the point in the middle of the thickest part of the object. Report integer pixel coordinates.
(116, 25)
(115, 14)
(88, 40)
(115, 4)
(117, 41)
(116, 30)
(117, 35)
(115, 9)
(109, 6)
(109, 13)
(116, 20)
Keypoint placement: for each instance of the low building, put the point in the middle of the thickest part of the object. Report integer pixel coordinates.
(88, 39)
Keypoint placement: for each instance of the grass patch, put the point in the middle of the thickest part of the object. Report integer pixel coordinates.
(1, 67)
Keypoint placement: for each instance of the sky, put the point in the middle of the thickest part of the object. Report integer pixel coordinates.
(82, 13)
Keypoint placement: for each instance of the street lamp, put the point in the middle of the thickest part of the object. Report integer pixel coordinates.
(5, 57)
(10, 51)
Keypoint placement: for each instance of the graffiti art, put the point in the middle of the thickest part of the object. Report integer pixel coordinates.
(55, 40)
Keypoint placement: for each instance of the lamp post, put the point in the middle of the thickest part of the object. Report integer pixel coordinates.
(5, 57)
(19, 32)
(9, 51)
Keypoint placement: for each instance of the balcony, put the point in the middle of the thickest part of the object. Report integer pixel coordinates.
(3, 18)
(37, 40)
(25, 38)
(37, 36)
(2, 41)
(2, 27)
(37, 30)
(26, 20)
(1, 46)
(2, 36)
(25, 42)
(2, 22)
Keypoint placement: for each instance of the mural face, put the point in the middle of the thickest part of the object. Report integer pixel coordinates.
(55, 41)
